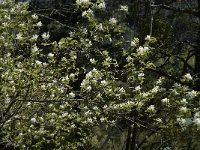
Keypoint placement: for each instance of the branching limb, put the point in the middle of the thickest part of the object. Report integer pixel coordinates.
(179, 10)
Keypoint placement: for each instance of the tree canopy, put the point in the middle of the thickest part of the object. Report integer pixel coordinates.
(100, 75)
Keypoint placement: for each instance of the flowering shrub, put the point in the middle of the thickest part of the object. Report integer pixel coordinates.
(41, 108)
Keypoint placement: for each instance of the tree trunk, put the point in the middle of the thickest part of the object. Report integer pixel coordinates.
(128, 139)
(197, 55)
(134, 136)
(131, 143)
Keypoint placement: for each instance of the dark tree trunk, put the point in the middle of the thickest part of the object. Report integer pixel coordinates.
(128, 139)
(197, 55)
(131, 143)
(134, 136)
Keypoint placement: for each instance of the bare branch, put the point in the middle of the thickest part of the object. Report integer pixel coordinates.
(187, 11)
(164, 74)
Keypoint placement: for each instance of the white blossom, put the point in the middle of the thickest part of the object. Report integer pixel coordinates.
(50, 55)
(102, 119)
(141, 74)
(33, 119)
(90, 12)
(159, 81)
(41, 118)
(7, 17)
(72, 75)
(71, 33)
(101, 5)
(197, 115)
(92, 61)
(134, 42)
(38, 62)
(192, 94)
(64, 59)
(52, 120)
(34, 16)
(141, 50)
(148, 37)
(8, 54)
(71, 94)
(151, 108)
(2, 37)
(100, 27)
(5, 24)
(184, 121)
(197, 121)
(87, 42)
(103, 82)
(35, 49)
(144, 94)
(165, 100)
(34, 37)
(94, 70)
(105, 106)
(124, 8)
(113, 21)
(60, 44)
(99, 95)
(89, 120)
(137, 88)
(85, 31)
(87, 113)
(39, 24)
(12, 10)
(89, 88)
(11, 82)
(95, 108)
(43, 86)
(84, 13)
(159, 120)
(184, 101)
(21, 24)
(177, 85)
(155, 89)
(183, 109)
(73, 54)
(89, 74)
(45, 36)
(19, 36)
(188, 76)
(29, 104)
(64, 114)
(53, 114)
(108, 59)
(181, 121)
(128, 59)
(73, 126)
(174, 91)
(44, 64)
(51, 105)
(122, 90)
